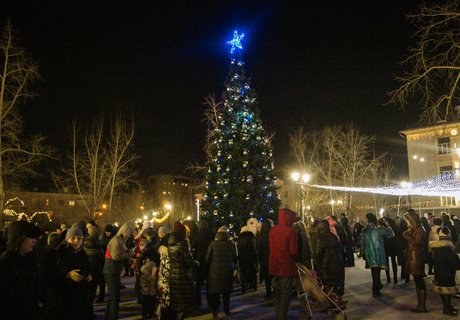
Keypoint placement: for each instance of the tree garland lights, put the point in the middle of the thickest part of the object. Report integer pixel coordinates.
(443, 185)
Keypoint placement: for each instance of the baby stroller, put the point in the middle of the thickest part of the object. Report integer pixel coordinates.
(314, 296)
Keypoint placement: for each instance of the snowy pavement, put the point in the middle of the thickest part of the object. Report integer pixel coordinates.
(394, 304)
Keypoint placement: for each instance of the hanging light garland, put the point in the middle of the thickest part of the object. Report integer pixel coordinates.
(443, 185)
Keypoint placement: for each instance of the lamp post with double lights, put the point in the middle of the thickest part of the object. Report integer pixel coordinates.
(302, 181)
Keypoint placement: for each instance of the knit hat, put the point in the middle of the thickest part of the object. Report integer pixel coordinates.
(73, 231)
(179, 228)
(444, 233)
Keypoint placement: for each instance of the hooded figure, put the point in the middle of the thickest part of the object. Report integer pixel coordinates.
(283, 253)
(115, 255)
(18, 273)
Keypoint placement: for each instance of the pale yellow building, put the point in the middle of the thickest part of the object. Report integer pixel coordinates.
(432, 150)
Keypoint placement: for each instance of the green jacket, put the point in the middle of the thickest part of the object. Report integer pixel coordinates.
(373, 247)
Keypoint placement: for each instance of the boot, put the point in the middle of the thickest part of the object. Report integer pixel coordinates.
(421, 301)
(448, 310)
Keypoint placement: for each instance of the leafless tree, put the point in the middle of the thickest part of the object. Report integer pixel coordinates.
(337, 155)
(433, 65)
(18, 156)
(101, 162)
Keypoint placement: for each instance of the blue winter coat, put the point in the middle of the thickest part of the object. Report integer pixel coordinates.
(373, 247)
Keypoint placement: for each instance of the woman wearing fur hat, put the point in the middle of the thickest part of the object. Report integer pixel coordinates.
(415, 236)
(446, 263)
(220, 262)
(18, 273)
(73, 277)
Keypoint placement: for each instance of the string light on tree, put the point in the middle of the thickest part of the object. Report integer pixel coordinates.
(240, 165)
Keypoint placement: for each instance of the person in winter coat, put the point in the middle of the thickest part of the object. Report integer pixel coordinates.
(401, 245)
(327, 259)
(446, 263)
(373, 250)
(109, 233)
(357, 232)
(433, 235)
(181, 266)
(446, 222)
(283, 252)
(220, 262)
(164, 307)
(390, 250)
(148, 252)
(73, 272)
(303, 242)
(247, 260)
(18, 273)
(415, 237)
(203, 238)
(50, 276)
(349, 256)
(263, 253)
(115, 256)
(148, 286)
(93, 250)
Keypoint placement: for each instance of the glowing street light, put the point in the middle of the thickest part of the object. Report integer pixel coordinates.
(168, 206)
(301, 180)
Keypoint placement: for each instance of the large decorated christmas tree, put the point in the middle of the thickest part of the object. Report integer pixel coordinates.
(240, 182)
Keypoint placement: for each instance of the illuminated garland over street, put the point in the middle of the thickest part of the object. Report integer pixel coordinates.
(443, 185)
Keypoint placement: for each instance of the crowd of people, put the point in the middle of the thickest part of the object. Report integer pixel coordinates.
(61, 274)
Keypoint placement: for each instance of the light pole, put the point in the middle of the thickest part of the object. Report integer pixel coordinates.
(332, 202)
(301, 180)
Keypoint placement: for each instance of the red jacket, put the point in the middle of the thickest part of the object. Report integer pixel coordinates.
(283, 246)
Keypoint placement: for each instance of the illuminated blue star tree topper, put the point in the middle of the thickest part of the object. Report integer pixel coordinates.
(235, 43)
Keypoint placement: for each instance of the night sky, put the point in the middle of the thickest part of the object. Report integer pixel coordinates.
(311, 64)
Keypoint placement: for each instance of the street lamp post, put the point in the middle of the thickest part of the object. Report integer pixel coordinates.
(302, 181)
(332, 202)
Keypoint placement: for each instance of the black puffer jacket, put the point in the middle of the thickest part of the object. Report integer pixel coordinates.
(327, 257)
(220, 261)
(247, 253)
(180, 282)
(263, 248)
(203, 239)
(19, 276)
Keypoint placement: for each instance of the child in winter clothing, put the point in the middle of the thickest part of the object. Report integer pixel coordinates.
(149, 275)
(446, 263)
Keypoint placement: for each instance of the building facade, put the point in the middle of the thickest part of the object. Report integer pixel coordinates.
(431, 151)
(177, 191)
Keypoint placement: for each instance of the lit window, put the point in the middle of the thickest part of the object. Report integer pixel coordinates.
(444, 145)
(71, 203)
